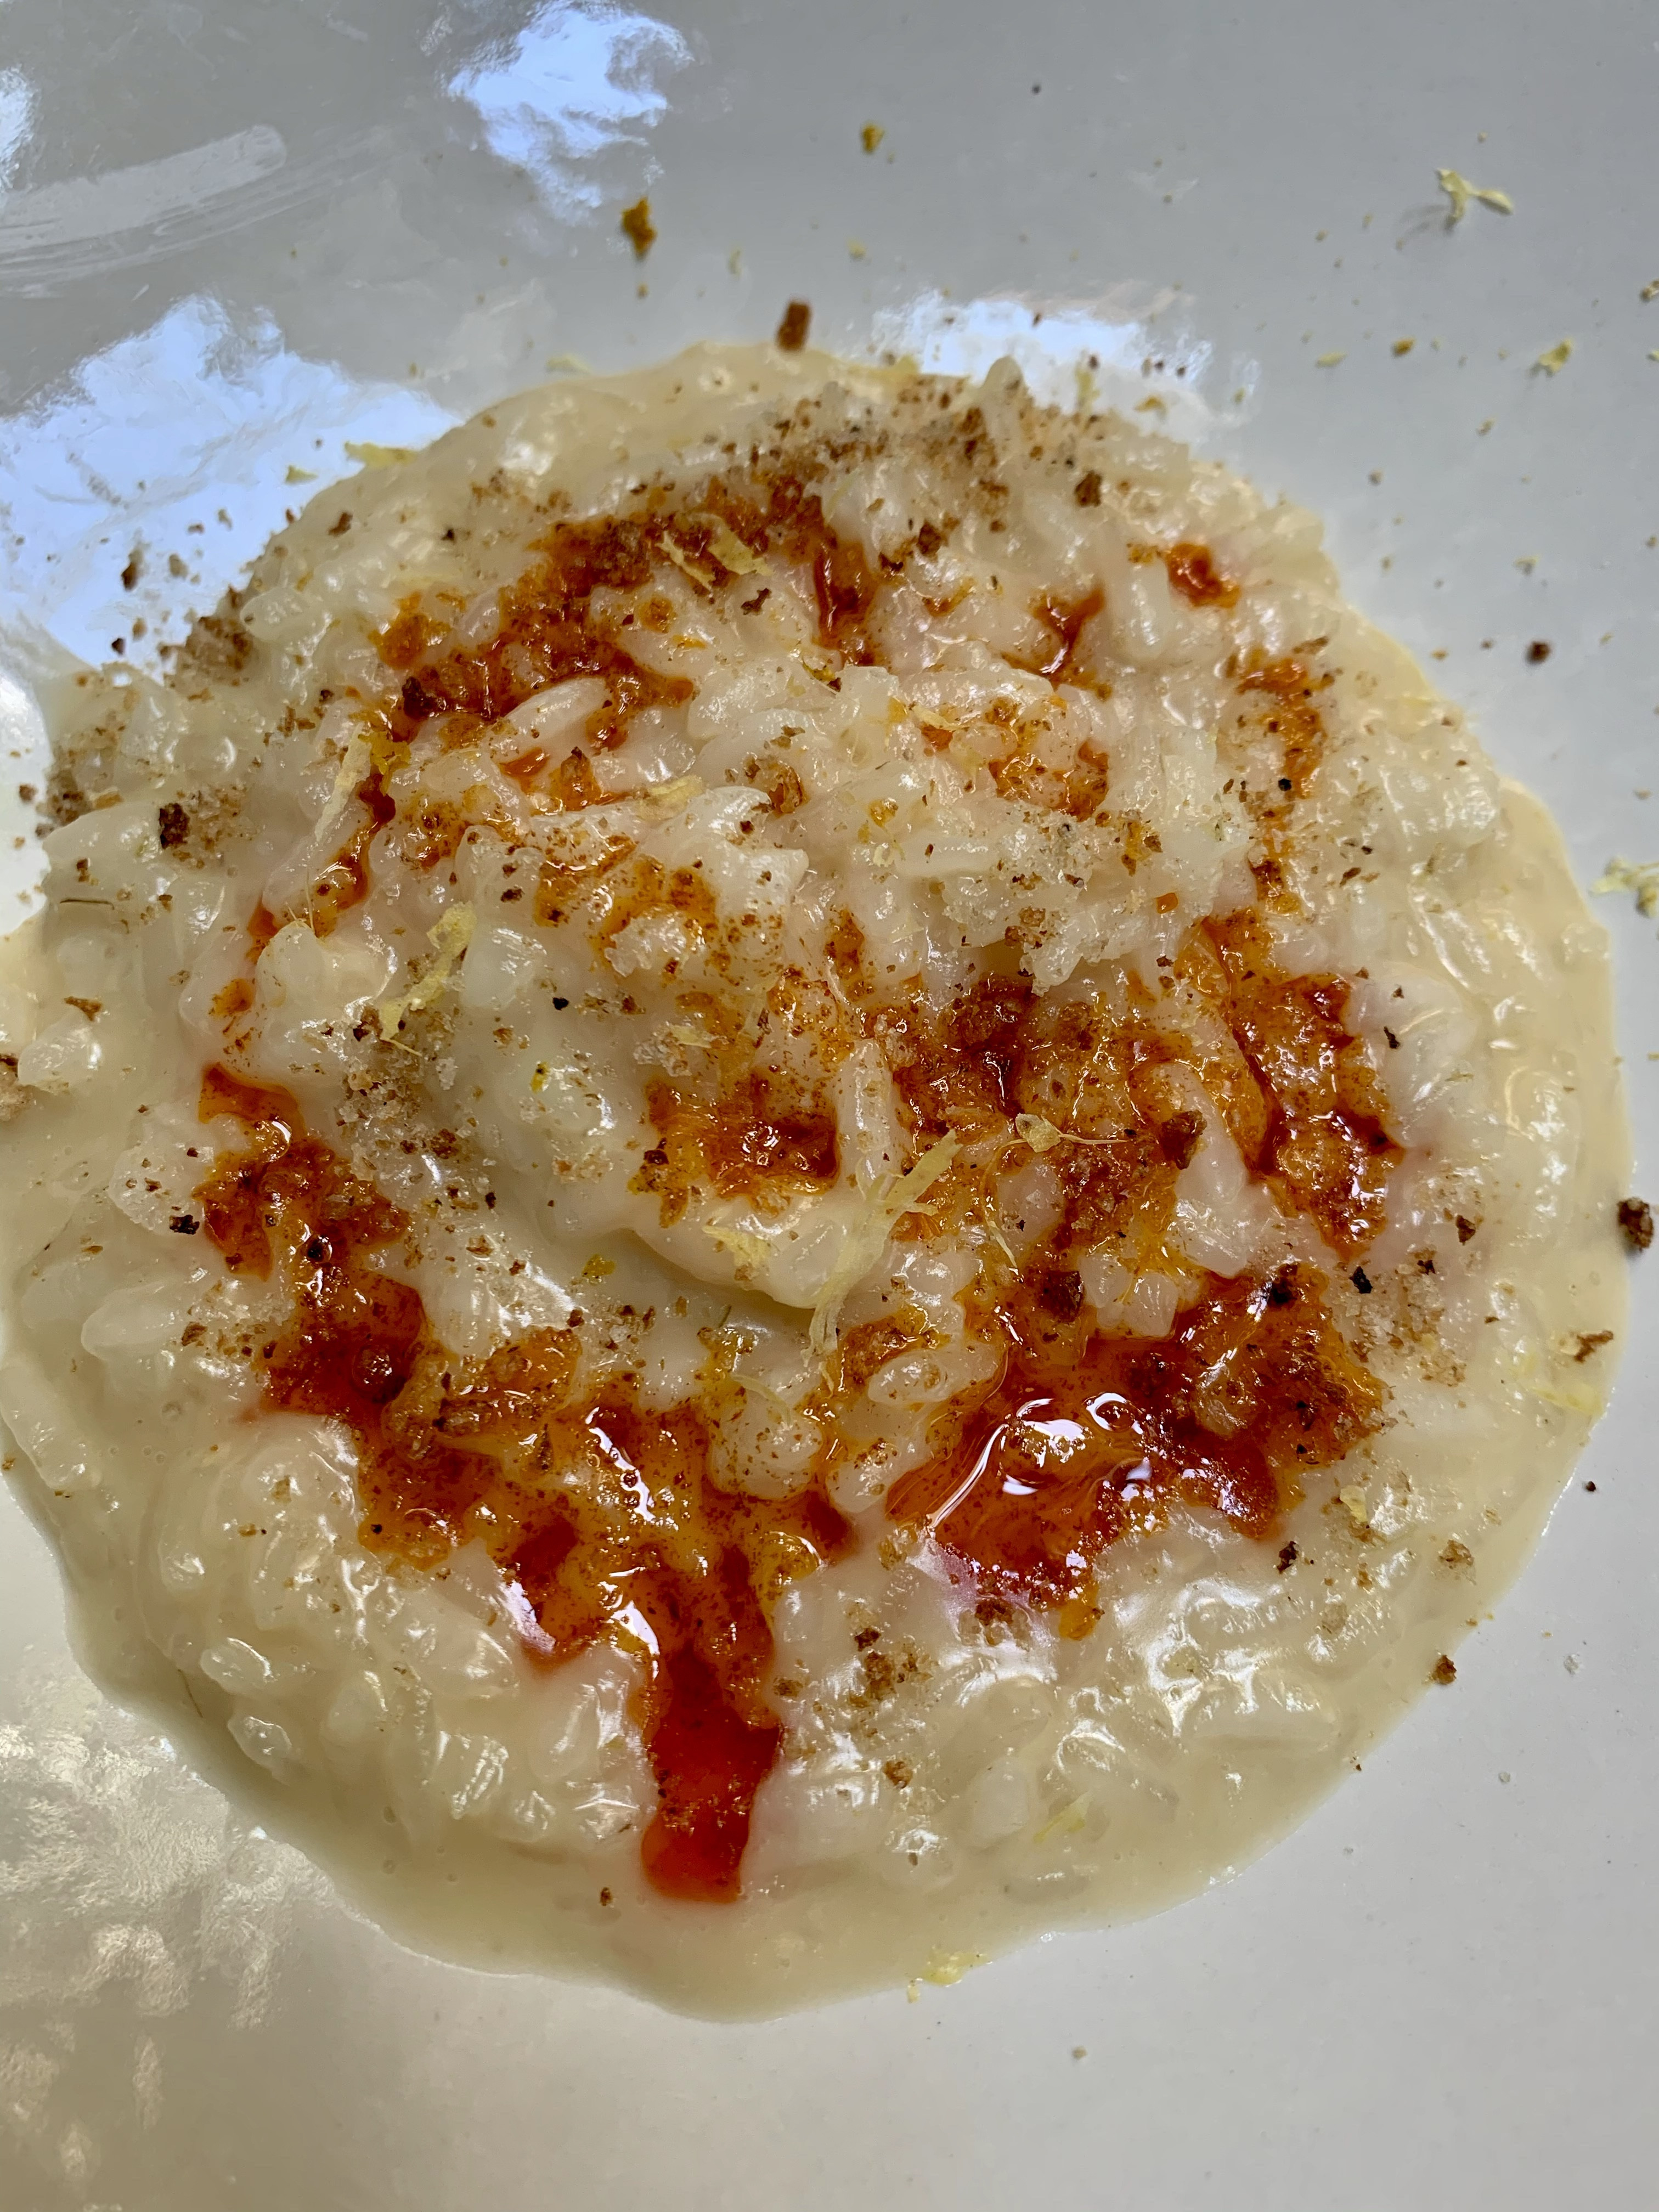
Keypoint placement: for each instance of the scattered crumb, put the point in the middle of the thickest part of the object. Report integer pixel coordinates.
(1636, 1219)
(1651, 291)
(871, 136)
(637, 226)
(1404, 345)
(1442, 1671)
(1539, 650)
(946, 1967)
(297, 474)
(1481, 429)
(1329, 360)
(1078, 2052)
(1571, 1662)
(1526, 562)
(1639, 877)
(1456, 1556)
(792, 330)
(855, 248)
(1460, 191)
(369, 455)
(1555, 358)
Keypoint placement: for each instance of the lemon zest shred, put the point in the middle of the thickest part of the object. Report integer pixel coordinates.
(890, 1199)
(1066, 1822)
(745, 1246)
(1042, 1136)
(945, 1967)
(373, 456)
(449, 937)
(728, 547)
(1460, 191)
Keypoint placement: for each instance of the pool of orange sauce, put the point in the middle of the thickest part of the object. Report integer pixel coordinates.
(1086, 1437)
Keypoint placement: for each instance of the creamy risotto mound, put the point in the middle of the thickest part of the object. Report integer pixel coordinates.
(798, 1177)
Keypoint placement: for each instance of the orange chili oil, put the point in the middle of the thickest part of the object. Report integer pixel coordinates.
(1315, 1129)
(601, 1513)
(1085, 1435)
(1192, 572)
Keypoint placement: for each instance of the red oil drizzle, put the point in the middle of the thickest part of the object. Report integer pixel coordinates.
(343, 883)
(1193, 572)
(1323, 1140)
(601, 1510)
(1066, 619)
(762, 1138)
(340, 885)
(546, 636)
(1085, 1435)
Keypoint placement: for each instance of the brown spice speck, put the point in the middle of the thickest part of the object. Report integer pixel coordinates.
(792, 330)
(637, 226)
(1442, 1671)
(1636, 1219)
(1539, 650)
(1591, 1342)
(172, 824)
(1086, 490)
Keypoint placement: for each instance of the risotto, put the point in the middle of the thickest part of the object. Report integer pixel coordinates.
(799, 1177)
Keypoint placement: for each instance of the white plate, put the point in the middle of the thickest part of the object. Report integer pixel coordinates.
(233, 236)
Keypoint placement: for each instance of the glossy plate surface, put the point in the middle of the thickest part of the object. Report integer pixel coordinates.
(234, 236)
